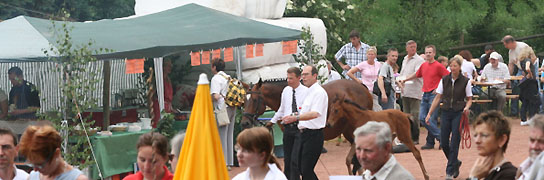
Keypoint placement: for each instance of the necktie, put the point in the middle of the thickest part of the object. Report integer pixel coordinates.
(294, 103)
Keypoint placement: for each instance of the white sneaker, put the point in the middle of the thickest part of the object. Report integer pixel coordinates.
(524, 123)
(449, 177)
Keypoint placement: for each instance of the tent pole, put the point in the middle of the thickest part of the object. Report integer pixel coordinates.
(106, 70)
(238, 63)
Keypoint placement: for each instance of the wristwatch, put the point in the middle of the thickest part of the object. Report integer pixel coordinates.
(298, 118)
(472, 178)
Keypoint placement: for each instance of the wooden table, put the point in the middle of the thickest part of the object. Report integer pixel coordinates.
(516, 77)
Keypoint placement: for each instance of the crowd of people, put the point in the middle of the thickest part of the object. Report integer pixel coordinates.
(422, 81)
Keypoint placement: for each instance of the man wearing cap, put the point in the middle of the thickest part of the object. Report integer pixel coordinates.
(311, 121)
(292, 97)
(496, 70)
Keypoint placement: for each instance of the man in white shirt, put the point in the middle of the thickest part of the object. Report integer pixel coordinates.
(527, 168)
(373, 150)
(292, 97)
(218, 90)
(8, 143)
(497, 71)
(411, 92)
(333, 75)
(311, 121)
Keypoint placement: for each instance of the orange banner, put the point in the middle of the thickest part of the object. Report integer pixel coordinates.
(195, 58)
(249, 51)
(286, 47)
(216, 54)
(293, 46)
(205, 57)
(228, 55)
(134, 66)
(259, 50)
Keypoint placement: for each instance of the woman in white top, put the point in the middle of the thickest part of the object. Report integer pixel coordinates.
(467, 68)
(254, 150)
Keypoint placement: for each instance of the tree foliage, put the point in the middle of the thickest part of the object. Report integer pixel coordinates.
(79, 10)
(390, 23)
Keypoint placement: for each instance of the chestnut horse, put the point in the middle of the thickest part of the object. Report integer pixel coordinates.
(268, 93)
(397, 120)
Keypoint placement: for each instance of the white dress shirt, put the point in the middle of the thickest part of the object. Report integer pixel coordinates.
(287, 101)
(333, 76)
(317, 100)
(274, 173)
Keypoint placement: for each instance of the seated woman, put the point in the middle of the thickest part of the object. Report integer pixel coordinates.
(152, 156)
(492, 132)
(255, 152)
(41, 147)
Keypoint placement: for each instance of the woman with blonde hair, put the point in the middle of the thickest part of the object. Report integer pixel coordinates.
(254, 150)
(41, 147)
(369, 73)
(454, 91)
(529, 97)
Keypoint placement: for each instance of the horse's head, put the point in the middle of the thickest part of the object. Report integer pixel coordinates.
(336, 110)
(253, 107)
(339, 109)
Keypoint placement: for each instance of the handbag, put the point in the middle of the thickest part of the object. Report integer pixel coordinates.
(221, 116)
(386, 84)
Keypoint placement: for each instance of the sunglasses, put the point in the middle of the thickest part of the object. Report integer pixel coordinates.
(41, 165)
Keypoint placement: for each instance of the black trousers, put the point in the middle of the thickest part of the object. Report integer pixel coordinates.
(307, 148)
(289, 135)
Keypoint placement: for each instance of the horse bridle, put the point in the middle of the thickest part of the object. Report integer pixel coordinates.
(253, 116)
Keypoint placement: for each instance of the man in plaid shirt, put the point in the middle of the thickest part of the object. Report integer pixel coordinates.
(354, 53)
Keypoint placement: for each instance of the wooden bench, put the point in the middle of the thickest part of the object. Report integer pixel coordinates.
(512, 96)
(508, 91)
(482, 101)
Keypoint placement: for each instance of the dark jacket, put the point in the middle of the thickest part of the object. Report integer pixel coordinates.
(453, 97)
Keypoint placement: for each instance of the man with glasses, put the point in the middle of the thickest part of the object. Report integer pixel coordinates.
(8, 152)
(311, 121)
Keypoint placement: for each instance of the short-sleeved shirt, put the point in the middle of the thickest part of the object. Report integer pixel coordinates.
(353, 56)
(432, 73)
(219, 85)
(317, 100)
(409, 67)
(387, 71)
(140, 176)
(501, 72)
(24, 96)
(468, 88)
(514, 53)
(369, 73)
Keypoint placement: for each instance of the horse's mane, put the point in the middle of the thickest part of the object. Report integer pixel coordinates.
(354, 104)
(275, 80)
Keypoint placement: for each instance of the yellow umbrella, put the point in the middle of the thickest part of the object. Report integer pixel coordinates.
(201, 156)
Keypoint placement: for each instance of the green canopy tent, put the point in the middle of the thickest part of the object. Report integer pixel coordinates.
(187, 28)
(191, 27)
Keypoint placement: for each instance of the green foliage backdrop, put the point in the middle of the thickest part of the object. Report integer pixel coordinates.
(390, 23)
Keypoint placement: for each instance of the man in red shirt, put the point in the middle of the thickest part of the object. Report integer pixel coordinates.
(431, 72)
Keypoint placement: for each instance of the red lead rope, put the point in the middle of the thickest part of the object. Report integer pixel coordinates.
(464, 130)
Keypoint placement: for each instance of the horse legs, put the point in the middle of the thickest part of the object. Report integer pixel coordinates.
(351, 153)
(405, 137)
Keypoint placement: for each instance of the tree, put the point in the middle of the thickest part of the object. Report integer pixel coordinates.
(390, 23)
